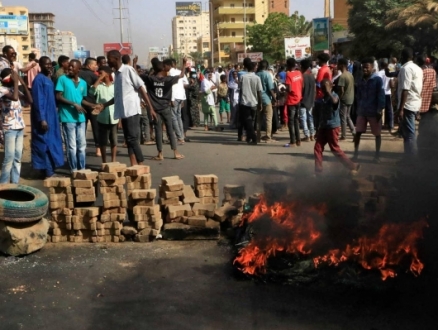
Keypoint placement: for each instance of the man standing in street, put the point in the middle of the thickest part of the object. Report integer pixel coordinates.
(268, 96)
(387, 85)
(410, 86)
(294, 85)
(32, 69)
(46, 143)
(370, 105)
(127, 87)
(250, 100)
(308, 101)
(88, 74)
(70, 93)
(346, 96)
(63, 63)
(429, 84)
(324, 72)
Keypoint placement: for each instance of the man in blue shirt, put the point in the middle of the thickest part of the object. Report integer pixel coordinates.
(268, 96)
(70, 91)
(370, 98)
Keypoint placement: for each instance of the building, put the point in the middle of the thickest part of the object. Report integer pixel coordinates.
(39, 39)
(279, 6)
(230, 19)
(48, 19)
(160, 53)
(65, 44)
(341, 13)
(204, 45)
(187, 29)
(14, 29)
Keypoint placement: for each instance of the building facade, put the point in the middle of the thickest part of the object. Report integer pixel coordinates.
(39, 39)
(230, 18)
(65, 44)
(160, 53)
(279, 6)
(187, 29)
(17, 34)
(341, 13)
(48, 19)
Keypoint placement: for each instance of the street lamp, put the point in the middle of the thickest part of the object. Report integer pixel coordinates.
(211, 33)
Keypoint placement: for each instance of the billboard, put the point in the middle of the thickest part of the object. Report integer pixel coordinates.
(154, 49)
(81, 54)
(124, 48)
(188, 8)
(13, 24)
(255, 57)
(321, 34)
(298, 48)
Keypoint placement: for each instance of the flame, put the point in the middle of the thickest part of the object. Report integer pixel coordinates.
(293, 228)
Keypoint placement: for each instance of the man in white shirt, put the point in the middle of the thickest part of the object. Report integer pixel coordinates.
(410, 85)
(178, 98)
(127, 87)
(387, 84)
(208, 104)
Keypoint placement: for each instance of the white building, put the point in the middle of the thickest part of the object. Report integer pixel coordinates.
(187, 29)
(65, 44)
(39, 39)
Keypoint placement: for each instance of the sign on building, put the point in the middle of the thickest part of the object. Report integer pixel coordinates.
(298, 48)
(13, 24)
(321, 34)
(124, 48)
(255, 57)
(188, 8)
(81, 54)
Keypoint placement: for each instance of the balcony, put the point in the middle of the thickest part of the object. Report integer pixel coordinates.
(234, 10)
(233, 25)
(237, 39)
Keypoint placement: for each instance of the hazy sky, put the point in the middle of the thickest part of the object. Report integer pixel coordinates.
(150, 20)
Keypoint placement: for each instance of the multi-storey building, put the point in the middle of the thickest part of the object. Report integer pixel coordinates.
(187, 29)
(65, 44)
(279, 6)
(231, 18)
(39, 39)
(341, 13)
(15, 31)
(48, 19)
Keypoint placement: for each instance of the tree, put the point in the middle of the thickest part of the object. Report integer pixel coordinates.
(197, 57)
(269, 37)
(338, 27)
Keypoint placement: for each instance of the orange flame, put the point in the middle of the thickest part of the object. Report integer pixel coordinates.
(292, 228)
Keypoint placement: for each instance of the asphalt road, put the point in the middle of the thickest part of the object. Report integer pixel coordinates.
(192, 285)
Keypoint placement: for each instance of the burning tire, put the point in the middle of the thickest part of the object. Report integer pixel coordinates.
(20, 203)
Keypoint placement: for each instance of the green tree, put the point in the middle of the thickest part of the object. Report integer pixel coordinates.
(338, 27)
(269, 37)
(197, 57)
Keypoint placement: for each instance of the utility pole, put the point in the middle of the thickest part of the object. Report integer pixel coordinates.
(327, 8)
(210, 7)
(121, 18)
(244, 27)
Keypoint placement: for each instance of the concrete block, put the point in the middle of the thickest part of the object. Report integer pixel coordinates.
(207, 186)
(57, 182)
(85, 175)
(197, 221)
(207, 193)
(202, 179)
(112, 183)
(113, 167)
(179, 211)
(189, 196)
(137, 170)
(144, 194)
(204, 209)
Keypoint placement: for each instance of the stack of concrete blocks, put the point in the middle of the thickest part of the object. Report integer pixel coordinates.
(60, 208)
(233, 205)
(84, 183)
(207, 188)
(84, 225)
(171, 191)
(138, 177)
(113, 212)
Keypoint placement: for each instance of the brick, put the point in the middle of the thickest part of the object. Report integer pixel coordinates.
(145, 178)
(197, 221)
(207, 193)
(85, 198)
(213, 224)
(118, 217)
(105, 217)
(111, 210)
(179, 211)
(149, 232)
(110, 204)
(113, 167)
(147, 217)
(108, 176)
(57, 182)
(144, 194)
(112, 183)
(114, 197)
(177, 185)
(83, 183)
(147, 210)
(90, 212)
(225, 212)
(137, 170)
(134, 185)
(85, 191)
(170, 180)
(144, 202)
(171, 194)
(85, 175)
(61, 205)
(112, 190)
(63, 190)
(189, 195)
(210, 178)
(206, 186)
(209, 200)
(204, 209)
(233, 189)
(61, 198)
(170, 201)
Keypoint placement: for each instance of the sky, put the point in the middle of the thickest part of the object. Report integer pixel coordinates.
(93, 23)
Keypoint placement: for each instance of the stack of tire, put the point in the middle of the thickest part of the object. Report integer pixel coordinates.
(23, 226)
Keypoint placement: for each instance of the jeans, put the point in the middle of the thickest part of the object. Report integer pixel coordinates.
(293, 123)
(75, 143)
(389, 114)
(145, 128)
(177, 120)
(247, 116)
(13, 151)
(267, 110)
(408, 132)
(131, 132)
(346, 120)
(306, 119)
(94, 126)
(165, 117)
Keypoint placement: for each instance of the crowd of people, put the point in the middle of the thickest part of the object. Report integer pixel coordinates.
(314, 100)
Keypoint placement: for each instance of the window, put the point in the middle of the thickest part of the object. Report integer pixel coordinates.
(232, 5)
(285, 4)
(233, 20)
(272, 3)
(205, 44)
(233, 34)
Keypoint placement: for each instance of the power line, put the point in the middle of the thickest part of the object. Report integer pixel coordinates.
(103, 7)
(92, 11)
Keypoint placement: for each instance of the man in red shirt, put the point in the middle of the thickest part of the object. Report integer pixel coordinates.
(324, 72)
(294, 85)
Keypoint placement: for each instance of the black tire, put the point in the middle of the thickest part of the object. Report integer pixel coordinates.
(20, 203)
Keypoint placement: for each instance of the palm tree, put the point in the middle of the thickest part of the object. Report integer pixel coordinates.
(298, 26)
(419, 14)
